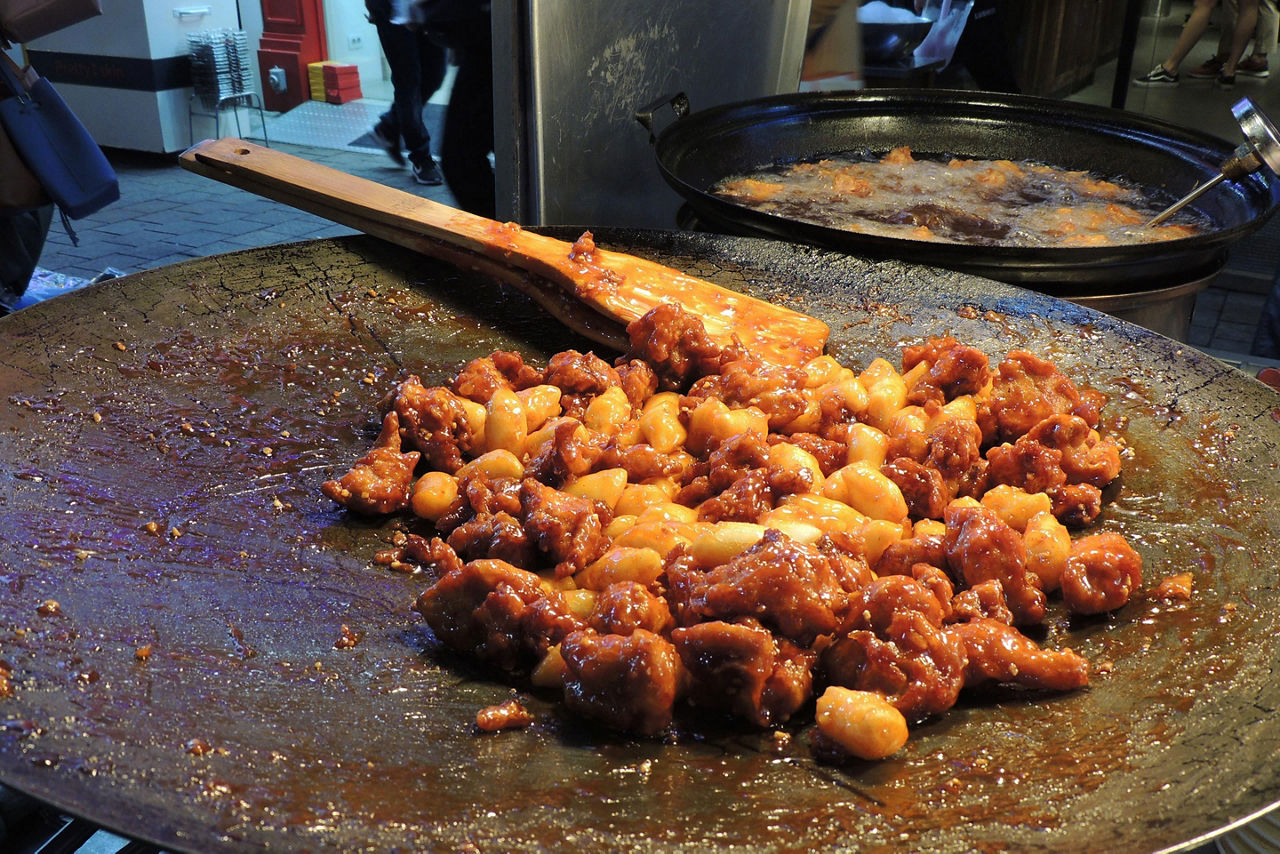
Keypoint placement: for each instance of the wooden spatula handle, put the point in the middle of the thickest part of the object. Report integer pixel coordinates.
(358, 202)
(611, 284)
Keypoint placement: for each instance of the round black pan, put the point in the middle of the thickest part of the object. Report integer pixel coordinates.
(175, 586)
(697, 151)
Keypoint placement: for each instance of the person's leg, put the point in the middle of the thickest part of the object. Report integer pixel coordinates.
(1246, 20)
(1230, 11)
(1166, 73)
(1265, 33)
(403, 123)
(1192, 30)
(21, 241)
(433, 64)
(468, 129)
(431, 71)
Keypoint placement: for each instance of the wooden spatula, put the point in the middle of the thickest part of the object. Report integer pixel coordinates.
(615, 288)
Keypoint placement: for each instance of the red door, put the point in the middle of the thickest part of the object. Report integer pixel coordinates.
(292, 37)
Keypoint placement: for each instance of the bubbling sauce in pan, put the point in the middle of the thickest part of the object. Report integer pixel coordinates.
(980, 202)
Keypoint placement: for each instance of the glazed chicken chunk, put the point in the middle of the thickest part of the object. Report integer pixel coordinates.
(690, 531)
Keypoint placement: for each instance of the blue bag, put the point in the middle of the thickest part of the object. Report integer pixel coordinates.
(54, 145)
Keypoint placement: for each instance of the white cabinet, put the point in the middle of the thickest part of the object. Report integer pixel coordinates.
(126, 73)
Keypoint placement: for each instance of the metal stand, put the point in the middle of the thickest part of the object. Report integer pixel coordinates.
(250, 100)
(221, 78)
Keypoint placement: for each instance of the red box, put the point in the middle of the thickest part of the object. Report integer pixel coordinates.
(341, 83)
(340, 76)
(343, 94)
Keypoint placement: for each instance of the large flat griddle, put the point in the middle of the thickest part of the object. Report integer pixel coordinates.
(164, 436)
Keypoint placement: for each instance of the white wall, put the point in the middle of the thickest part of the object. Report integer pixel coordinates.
(150, 29)
(352, 39)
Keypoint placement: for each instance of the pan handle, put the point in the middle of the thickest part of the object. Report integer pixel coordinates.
(679, 103)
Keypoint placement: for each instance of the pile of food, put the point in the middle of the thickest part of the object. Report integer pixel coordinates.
(981, 202)
(692, 531)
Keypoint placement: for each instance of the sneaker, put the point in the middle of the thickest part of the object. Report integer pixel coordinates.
(1157, 77)
(428, 173)
(1207, 70)
(1252, 66)
(389, 145)
(1226, 81)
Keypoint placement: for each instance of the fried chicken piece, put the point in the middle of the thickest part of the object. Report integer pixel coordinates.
(776, 390)
(481, 494)
(581, 377)
(675, 343)
(743, 669)
(509, 715)
(1076, 504)
(876, 604)
(847, 185)
(501, 369)
(982, 601)
(980, 547)
(627, 682)
(381, 480)
(497, 612)
(572, 452)
(922, 487)
(1063, 457)
(1028, 389)
(433, 421)
(1000, 653)
(901, 556)
(1102, 572)
(745, 500)
(954, 369)
(954, 451)
(1087, 457)
(499, 536)
(734, 458)
(900, 155)
(937, 582)
(641, 461)
(638, 380)
(848, 551)
(729, 464)
(794, 589)
(568, 529)
(625, 606)
(433, 555)
(752, 189)
(1026, 464)
(897, 648)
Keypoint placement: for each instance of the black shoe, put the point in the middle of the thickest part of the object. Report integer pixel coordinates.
(1226, 81)
(389, 145)
(1157, 77)
(427, 172)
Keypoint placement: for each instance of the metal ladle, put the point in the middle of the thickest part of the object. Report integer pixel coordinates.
(1261, 145)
